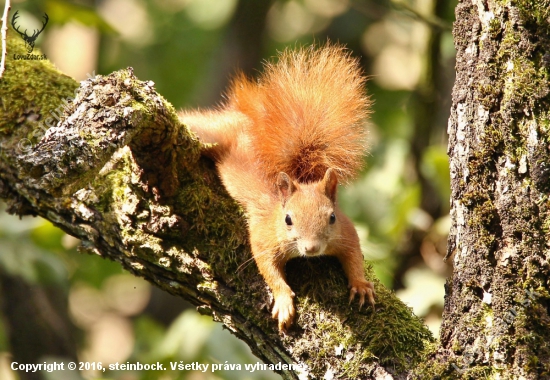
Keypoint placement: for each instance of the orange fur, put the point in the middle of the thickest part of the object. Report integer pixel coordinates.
(307, 113)
(281, 145)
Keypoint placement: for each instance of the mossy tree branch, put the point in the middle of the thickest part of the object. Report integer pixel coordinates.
(123, 175)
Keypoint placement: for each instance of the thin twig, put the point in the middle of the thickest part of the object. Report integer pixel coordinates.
(4, 37)
(431, 20)
(376, 11)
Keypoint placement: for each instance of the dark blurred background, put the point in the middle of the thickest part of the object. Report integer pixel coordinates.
(59, 305)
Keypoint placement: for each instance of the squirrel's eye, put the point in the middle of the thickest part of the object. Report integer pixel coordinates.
(332, 218)
(288, 220)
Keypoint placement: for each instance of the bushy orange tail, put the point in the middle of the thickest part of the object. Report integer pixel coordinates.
(307, 111)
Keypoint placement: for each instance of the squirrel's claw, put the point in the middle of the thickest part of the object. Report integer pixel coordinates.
(283, 310)
(352, 293)
(363, 288)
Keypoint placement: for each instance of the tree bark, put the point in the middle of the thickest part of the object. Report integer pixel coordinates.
(496, 322)
(122, 174)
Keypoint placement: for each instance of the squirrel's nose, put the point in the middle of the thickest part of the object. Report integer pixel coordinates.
(311, 247)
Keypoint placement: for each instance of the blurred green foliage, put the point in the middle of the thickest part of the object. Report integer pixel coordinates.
(65, 11)
(23, 256)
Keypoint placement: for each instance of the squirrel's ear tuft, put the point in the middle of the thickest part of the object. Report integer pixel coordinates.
(330, 183)
(285, 187)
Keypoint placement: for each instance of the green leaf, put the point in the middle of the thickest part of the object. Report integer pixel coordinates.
(47, 236)
(20, 258)
(62, 12)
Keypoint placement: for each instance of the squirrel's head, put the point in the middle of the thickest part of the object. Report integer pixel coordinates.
(309, 213)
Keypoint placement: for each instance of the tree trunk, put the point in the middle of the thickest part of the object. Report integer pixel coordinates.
(122, 174)
(37, 321)
(496, 322)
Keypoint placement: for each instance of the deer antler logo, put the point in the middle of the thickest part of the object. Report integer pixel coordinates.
(29, 40)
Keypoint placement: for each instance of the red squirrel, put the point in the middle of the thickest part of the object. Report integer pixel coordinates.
(282, 144)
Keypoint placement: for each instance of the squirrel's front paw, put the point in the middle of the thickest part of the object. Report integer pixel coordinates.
(283, 310)
(363, 288)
